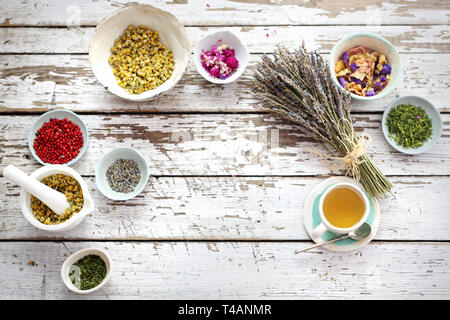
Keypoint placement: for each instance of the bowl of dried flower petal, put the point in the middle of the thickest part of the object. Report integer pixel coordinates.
(365, 65)
(139, 52)
(221, 57)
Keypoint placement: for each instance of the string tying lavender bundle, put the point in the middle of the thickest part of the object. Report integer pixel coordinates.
(298, 86)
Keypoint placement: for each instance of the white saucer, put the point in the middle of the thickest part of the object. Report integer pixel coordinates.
(312, 219)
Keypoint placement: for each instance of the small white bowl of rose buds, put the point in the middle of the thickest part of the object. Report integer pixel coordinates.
(221, 57)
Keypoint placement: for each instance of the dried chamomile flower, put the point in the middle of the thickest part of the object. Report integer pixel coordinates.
(140, 61)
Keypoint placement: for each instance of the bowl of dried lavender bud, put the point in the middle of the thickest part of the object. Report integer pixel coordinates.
(122, 173)
(86, 271)
(63, 179)
(139, 52)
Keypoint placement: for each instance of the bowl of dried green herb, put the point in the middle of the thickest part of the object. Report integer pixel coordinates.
(411, 124)
(86, 271)
(121, 173)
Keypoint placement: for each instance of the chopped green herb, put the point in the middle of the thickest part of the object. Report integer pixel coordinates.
(409, 125)
(88, 272)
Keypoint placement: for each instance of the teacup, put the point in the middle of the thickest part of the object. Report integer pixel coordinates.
(362, 207)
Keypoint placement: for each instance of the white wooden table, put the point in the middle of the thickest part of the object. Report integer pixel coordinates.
(221, 214)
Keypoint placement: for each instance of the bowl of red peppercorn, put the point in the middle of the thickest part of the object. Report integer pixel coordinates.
(58, 137)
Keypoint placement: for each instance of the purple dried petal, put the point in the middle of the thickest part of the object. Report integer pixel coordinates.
(353, 66)
(386, 69)
(345, 57)
(370, 93)
(377, 85)
(383, 79)
(356, 80)
(342, 82)
(364, 84)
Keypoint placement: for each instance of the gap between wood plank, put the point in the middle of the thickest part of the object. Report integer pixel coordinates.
(131, 113)
(272, 176)
(207, 240)
(250, 53)
(237, 25)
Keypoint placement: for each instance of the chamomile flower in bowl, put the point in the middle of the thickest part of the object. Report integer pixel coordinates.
(139, 52)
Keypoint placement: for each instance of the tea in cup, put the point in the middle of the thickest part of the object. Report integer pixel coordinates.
(343, 208)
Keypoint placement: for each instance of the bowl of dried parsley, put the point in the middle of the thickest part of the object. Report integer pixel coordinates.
(139, 52)
(86, 271)
(411, 124)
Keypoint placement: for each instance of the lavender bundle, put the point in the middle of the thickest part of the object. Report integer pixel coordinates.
(298, 86)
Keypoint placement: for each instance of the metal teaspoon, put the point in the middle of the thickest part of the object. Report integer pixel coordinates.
(359, 234)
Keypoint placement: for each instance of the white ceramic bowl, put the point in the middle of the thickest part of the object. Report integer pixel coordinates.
(374, 42)
(108, 159)
(432, 112)
(39, 174)
(171, 33)
(59, 114)
(65, 269)
(240, 52)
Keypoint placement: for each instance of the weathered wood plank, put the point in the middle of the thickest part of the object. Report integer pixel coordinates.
(220, 144)
(234, 12)
(233, 270)
(35, 83)
(407, 39)
(234, 208)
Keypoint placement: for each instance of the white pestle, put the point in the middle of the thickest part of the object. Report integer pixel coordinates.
(55, 200)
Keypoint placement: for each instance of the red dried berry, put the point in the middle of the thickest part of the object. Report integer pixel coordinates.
(58, 141)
